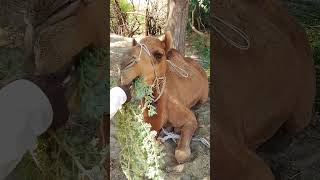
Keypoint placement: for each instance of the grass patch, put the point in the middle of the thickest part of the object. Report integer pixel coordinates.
(199, 46)
(308, 15)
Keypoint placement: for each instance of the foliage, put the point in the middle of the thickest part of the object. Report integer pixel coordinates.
(11, 61)
(125, 6)
(202, 14)
(141, 156)
(143, 91)
(157, 17)
(121, 22)
(93, 91)
(125, 24)
(308, 14)
(201, 46)
(79, 134)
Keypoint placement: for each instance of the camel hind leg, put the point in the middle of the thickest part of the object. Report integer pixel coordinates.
(233, 160)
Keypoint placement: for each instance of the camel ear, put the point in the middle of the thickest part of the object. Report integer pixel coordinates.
(134, 42)
(167, 40)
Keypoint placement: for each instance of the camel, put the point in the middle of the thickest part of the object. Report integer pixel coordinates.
(180, 83)
(57, 31)
(268, 88)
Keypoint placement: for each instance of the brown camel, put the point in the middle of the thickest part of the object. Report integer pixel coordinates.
(59, 30)
(259, 91)
(181, 82)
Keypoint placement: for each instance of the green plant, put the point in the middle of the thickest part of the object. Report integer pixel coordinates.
(200, 46)
(202, 13)
(11, 62)
(308, 15)
(125, 6)
(79, 136)
(93, 92)
(145, 92)
(141, 156)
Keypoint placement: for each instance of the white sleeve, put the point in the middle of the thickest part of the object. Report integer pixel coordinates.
(25, 113)
(117, 98)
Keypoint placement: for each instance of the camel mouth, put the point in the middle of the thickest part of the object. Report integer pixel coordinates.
(124, 80)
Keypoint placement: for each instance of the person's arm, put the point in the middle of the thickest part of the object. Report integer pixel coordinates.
(118, 96)
(28, 107)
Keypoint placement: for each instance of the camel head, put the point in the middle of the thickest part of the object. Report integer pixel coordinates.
(147, 59)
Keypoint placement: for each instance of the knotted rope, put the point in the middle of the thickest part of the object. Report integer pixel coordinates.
(178, 69)
(157, 81)
(173, 136)
(235, 29)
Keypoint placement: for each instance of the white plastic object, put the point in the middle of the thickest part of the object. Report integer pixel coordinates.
(25, 113)
(117, 98)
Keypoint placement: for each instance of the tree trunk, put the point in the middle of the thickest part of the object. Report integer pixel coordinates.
(177, 22)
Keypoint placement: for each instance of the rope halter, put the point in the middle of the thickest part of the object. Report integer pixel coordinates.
(157, 81)
(236, 30)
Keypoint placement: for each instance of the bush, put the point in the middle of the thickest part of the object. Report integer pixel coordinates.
(141, 156)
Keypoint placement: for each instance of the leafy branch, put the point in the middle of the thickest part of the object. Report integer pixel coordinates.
(143, 91)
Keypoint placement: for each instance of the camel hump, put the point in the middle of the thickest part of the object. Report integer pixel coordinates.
(175, 54)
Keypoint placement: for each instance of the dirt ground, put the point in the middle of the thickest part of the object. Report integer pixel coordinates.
(198, 167)
(297, 157)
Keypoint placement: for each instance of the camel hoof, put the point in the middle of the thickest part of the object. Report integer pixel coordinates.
(182, 155)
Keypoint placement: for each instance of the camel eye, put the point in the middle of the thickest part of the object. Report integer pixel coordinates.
(158, 55)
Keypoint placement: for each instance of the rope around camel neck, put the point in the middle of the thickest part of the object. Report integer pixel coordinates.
(156, 83)
(237, 30)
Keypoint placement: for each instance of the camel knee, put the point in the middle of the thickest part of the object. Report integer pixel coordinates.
(183, 151)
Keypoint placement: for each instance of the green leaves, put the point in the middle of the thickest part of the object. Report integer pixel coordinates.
(11, 62)
(142, 90)
(141, 156)
(139, 88)
(93, 92)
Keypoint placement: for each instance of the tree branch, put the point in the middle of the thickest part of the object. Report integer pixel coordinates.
(192, 22)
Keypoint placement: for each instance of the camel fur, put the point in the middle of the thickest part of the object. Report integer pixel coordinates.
(180, 93)
(259, 91)
(53, 40)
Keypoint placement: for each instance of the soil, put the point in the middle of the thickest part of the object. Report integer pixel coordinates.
(199, 165)
(296, 157)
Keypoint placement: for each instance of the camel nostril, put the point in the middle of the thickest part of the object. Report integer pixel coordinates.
(124, 64)
(127, 63)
